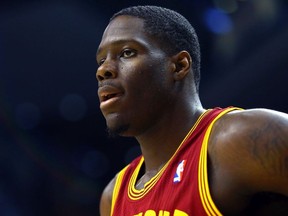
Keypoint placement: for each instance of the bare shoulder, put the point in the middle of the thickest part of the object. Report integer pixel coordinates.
(247, 122)
(256, 137)
(106, 198)
(248, 151)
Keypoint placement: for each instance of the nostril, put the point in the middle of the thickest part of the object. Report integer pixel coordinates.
(107, 74)
(100, 78)
(104, 75)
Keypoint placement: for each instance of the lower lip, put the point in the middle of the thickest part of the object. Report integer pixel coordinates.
(108, 103)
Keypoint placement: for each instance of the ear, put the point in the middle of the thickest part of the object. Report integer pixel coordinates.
(182, 65)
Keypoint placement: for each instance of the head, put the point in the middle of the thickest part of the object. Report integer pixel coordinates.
(172, 31)
(142, 69)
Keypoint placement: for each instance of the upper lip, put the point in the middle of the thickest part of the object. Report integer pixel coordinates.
(108, 91)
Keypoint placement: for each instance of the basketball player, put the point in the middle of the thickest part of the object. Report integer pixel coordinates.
(194, 161)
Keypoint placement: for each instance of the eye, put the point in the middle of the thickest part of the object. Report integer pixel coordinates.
(101, 62)
(127, 53)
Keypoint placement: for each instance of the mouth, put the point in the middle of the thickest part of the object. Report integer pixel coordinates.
(109, 93)
(109, 101)
(104, 97)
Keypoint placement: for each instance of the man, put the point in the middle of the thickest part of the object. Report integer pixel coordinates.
(194, 161)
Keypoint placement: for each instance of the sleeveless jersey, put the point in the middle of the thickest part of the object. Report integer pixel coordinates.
(180, 188)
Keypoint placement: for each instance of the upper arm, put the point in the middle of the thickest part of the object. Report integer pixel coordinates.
(269, 141)
(106, 199)
(252, 148)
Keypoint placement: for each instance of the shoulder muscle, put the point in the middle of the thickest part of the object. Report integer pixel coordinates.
(253, 145)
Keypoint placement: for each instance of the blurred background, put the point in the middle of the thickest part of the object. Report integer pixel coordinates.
(55, 157)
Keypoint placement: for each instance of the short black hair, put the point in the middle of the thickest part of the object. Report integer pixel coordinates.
(170, 29)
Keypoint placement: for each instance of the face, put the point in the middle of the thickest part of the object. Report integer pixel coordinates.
(134, 78)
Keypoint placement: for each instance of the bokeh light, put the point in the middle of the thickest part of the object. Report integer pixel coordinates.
(229, 6)
(217, 21)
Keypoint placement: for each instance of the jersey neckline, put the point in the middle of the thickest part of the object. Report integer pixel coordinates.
(136, 194)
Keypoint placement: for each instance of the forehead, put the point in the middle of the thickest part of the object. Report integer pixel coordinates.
(124, 28)
(125, 24)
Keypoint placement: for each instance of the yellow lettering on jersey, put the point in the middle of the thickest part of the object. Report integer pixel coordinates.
(163, 213)
(150, 213)
(179, 213)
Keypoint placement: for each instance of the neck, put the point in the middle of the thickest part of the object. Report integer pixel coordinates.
(159, 143)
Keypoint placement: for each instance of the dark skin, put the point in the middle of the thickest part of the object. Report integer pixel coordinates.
(147, 94)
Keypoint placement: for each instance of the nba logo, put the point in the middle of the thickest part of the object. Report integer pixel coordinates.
(179, 171)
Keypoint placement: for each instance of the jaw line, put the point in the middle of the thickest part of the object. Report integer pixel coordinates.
(119, 131)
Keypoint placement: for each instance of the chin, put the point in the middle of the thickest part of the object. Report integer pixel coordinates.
(118, 131)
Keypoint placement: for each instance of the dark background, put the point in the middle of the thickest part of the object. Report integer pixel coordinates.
(55, 157)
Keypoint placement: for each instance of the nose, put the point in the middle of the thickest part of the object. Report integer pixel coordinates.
(106, 71)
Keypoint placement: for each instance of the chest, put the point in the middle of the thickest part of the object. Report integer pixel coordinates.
(176, 188)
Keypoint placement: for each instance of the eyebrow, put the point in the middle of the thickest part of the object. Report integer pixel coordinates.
(122, 41)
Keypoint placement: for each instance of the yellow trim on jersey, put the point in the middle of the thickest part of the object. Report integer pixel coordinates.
(205, 195)
(117, 188)
(135, 194)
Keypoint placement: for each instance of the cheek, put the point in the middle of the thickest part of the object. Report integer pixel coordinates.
(146, 79)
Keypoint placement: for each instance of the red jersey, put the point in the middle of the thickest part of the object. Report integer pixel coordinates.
(180, 188)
